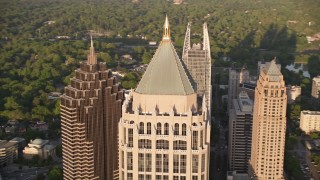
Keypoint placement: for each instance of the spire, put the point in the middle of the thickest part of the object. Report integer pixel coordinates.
(166, 30)
(206, 41)
(92, 59)
(186, 45)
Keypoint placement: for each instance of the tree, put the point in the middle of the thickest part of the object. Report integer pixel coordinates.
(55, 174)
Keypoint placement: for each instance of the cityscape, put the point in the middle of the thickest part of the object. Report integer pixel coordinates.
(160, 90)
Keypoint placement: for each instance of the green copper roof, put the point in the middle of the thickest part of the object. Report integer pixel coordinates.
(165, 74)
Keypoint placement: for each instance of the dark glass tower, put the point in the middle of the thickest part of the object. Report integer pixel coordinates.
(90, 111)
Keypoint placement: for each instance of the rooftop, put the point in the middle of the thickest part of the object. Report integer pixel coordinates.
(165, 74)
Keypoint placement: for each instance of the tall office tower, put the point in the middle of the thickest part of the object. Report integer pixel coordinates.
(237, 76)
(315, 92)
(269, 125)
(240, 132)
(90, 112)
(164, 133)
(197, 60)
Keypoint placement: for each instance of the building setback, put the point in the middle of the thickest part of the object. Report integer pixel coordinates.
(269, 125)
(197, 59)
(164, 133)
(237, 76)
(240, 133)
(90, 111)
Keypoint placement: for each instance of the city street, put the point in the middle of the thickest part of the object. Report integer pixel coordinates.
(25, 174)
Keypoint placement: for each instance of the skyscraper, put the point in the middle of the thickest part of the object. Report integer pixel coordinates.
(237, 76)
(240, 133)
(164, 132)
(269, 125)
(90, 111)
(197, 59)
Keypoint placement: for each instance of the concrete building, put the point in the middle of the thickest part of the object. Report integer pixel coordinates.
(21, 144)
(293, 92)
(315, 87)
(8, 152)
(310, 121)
(237, 76)
(90, 111)
(269, 125)
(39, 147)
(197, 59)
(240, 133)
(164, 133)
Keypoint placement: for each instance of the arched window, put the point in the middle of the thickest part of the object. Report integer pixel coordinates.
(184, 129)
(166, 129)
(176, 129)
(141, 128)
(158, 128)
(148, 128)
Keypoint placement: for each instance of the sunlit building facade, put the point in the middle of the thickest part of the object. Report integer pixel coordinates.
(269, 125)
(164, 133)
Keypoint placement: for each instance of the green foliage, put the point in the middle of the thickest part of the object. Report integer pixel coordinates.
(314, 135)
(292, 166)
(130, 80)
(55, 174)
(313, 65)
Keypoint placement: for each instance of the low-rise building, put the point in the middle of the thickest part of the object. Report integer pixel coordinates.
(293, 92)
(315, 87)
(8, 152)
(39, 147)
(310, 121)
(21, 143)
(39, 126)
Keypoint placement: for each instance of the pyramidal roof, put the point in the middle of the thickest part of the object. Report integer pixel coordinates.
(165, 74)
(273, 71)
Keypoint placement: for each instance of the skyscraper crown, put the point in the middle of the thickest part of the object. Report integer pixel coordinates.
(165, 74)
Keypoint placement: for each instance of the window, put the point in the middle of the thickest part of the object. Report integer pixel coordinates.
(129, 176)
(148, 162)
(124, 135)
(148, 128)
(203, 162)
(159, 129)
(175, 164)
(194, 140)
(130, 161)
(141, 177)
(162, 144)
(122, 159)
(144, 143)
(165, 163)
(195, 163)
(141, 129)
(201, 138)
(179, 145)
(166, 129)
(176, 129)
(130, 137)
(158, 162)
(183, 163)
(184, 129)
(141, 162)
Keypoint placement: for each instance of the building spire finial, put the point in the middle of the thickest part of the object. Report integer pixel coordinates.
(92, 59)
(166, 29)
